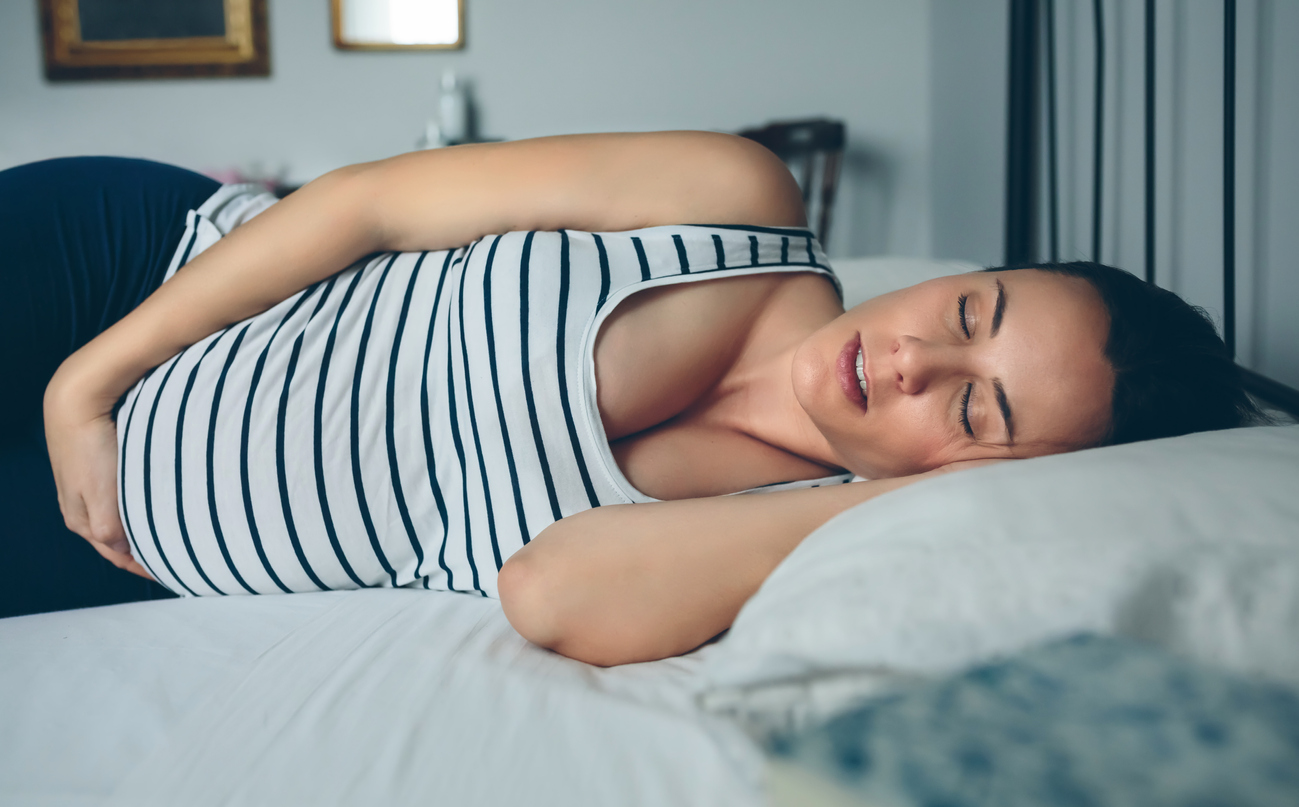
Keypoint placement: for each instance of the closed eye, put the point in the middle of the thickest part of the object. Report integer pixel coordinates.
(965, 410)
(960, 310)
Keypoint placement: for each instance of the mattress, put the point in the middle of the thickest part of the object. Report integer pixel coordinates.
(401, 697)
(363, 697)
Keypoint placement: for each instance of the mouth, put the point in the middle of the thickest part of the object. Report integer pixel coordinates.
(852, 373)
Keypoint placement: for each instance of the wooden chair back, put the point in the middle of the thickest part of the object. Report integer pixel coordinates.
(813, 150)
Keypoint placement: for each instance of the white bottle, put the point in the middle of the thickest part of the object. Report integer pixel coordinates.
(432, 137)
(453, 110)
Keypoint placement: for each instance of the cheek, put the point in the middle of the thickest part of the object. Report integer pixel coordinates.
(905, 438)
(921, 433)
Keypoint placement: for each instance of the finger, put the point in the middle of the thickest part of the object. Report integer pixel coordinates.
(118, 559)
(106, 527)
(136, 568)
(97, 525)
(119, 545)
(101, 506)
(74, 516)
(122, 561)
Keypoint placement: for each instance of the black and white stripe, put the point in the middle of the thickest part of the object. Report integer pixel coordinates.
(413, 420)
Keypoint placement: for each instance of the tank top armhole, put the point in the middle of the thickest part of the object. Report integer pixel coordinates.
(589, 392)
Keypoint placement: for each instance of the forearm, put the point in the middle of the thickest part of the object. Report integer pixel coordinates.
(435, 200)
(308, 236)
(639, 582)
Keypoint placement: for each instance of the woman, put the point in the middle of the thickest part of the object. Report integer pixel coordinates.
(270, 450)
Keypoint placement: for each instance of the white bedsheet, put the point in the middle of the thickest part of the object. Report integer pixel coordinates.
(368, 697)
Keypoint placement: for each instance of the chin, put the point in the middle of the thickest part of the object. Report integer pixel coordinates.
(809, 374)
(870, 471)
(876, 466)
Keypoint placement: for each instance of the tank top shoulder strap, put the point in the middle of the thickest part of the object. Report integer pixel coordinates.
(639, 260)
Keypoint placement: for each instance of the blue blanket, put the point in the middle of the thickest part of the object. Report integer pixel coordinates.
(1085, 721)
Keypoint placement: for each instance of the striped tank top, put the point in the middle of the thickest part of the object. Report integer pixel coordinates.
(410, 421)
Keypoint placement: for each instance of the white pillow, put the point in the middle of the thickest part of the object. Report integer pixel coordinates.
(1190, 542)
(864, 278)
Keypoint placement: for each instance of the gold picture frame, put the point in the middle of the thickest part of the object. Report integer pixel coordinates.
(342, 42)
(242, 49)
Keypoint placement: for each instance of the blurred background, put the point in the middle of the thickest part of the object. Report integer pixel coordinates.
(920, 85)
(537, 69)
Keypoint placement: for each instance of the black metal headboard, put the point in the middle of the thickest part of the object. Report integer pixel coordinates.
(1032, 59)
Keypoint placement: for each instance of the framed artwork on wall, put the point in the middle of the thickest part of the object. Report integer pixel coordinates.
(398, 24)
(89, 39)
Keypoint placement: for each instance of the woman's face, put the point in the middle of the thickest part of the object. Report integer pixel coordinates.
(974, 366)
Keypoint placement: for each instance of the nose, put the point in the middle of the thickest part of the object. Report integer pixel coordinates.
(917, 363)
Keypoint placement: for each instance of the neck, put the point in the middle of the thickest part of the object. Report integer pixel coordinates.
(757, 399)
(763, 406)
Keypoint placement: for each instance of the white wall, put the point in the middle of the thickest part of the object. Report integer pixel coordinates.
(539, 68)
(968, 132)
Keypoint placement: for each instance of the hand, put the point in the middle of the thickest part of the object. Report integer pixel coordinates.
(82, 442)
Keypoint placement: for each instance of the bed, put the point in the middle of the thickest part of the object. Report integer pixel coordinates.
(360, 697)
(1114, 626)
(370, 697)
(1186, 548)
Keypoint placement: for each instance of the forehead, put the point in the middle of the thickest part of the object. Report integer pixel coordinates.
(1052, 358)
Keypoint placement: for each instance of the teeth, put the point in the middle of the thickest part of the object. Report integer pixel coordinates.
(861, 373)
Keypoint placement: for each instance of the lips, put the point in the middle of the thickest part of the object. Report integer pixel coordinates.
(846, 368)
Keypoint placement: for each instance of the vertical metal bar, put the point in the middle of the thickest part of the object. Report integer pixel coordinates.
(1098, 134)
(1021, 134)
(1229, 178)
(1053, 184)
(1150, 141)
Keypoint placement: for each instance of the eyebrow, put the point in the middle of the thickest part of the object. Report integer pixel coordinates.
(1004, 406)
(999, 311)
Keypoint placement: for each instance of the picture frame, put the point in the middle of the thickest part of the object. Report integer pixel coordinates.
(344, 15)
(110, 39)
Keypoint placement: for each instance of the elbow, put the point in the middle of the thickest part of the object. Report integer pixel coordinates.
(547, 612)
(340, 206)
(525, 601)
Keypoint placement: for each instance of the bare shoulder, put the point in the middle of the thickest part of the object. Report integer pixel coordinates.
(753, 186)
(701, 177)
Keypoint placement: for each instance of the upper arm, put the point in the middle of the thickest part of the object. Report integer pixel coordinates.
(448, 197)
(441, 199)
(638, 582)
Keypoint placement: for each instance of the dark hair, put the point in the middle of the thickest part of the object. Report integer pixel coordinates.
(1172, 372)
